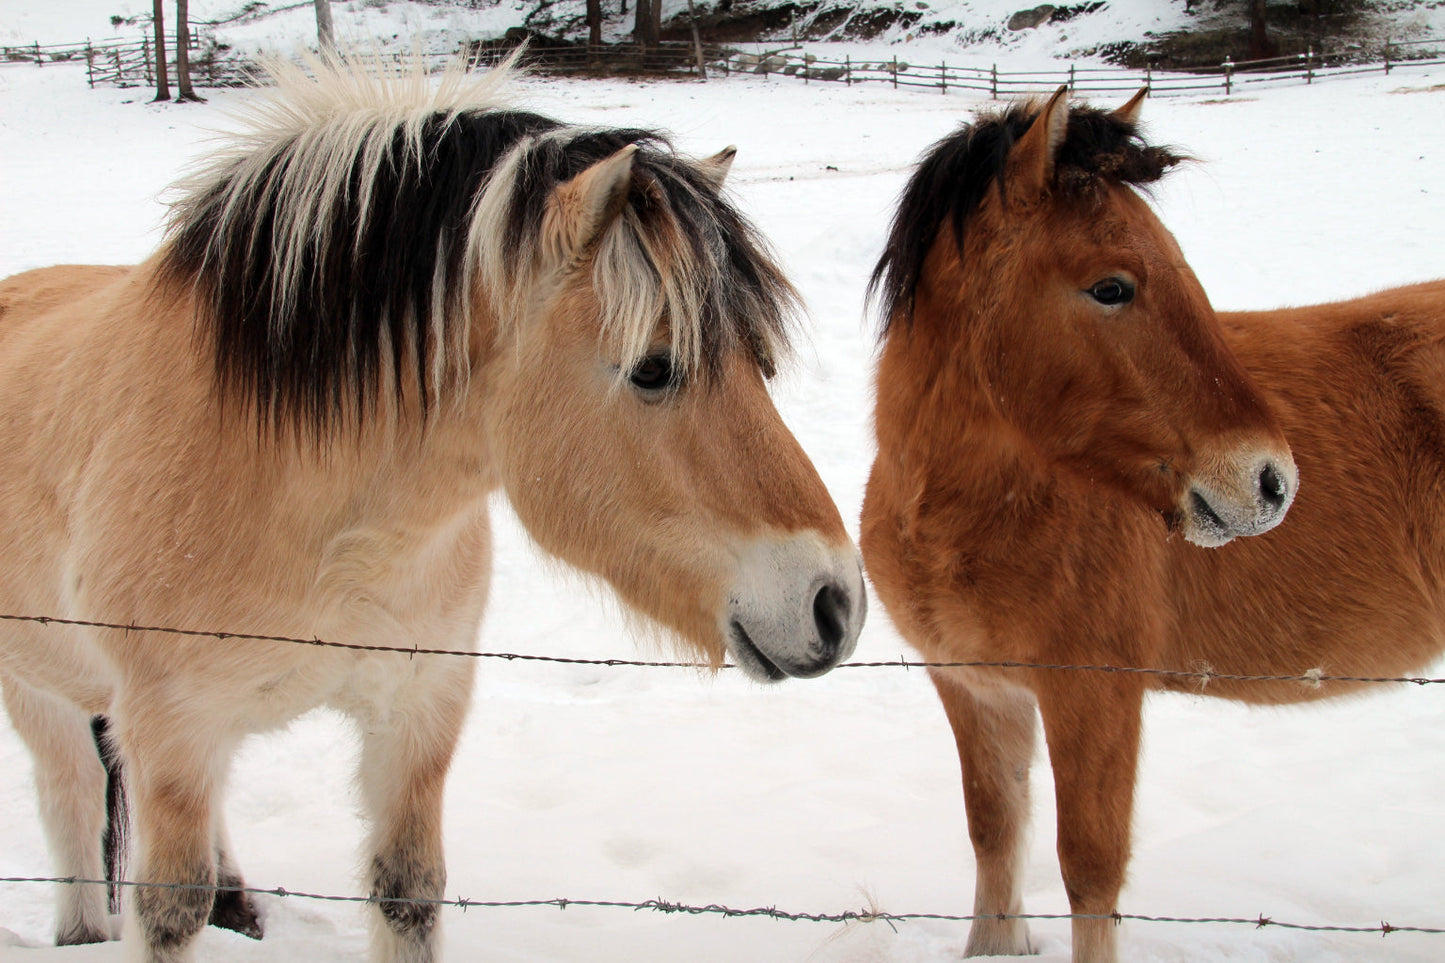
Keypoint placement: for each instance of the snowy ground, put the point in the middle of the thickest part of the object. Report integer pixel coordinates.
(839, 793)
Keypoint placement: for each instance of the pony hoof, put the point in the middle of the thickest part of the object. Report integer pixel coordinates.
(235, 911)
(82, 935)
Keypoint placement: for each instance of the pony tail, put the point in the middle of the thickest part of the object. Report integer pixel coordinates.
(116, 840)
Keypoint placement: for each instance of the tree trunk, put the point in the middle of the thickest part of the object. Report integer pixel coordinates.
(1261, 46)
(645, 22)
(184, 91)
(325, 35)
(594, 22)
(163, 74)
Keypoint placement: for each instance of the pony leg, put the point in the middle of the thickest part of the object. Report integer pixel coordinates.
(71, 784)
(403, 772)
(231, 910)
(994, 729)
(1092, 728)
(176, 762)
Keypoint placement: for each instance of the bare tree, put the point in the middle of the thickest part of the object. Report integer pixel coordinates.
(163, 74)
(184, 91)
(647, 24)
(1261, 45)
(594, 22)
(326, 36)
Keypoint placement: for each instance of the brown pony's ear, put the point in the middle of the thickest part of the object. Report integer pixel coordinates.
(588, 203)
(1031, 162)
(1129, 112)
(714, 170)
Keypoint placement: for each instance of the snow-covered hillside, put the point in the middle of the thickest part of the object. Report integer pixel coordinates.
(961, 29)
(838, 793)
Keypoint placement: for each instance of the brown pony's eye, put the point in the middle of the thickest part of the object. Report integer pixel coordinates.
(652, 374)
(1112, 291)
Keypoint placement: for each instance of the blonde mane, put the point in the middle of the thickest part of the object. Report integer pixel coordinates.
(338, 240)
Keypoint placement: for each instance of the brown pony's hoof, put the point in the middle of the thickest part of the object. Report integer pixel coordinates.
(236, 911)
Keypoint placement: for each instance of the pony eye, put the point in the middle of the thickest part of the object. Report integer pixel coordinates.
(1112, 291)
(652, 374)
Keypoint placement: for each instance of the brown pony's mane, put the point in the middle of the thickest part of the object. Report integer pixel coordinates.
(955, 174)
(339, 243)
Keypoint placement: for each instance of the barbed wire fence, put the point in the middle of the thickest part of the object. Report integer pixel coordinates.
(666, 907)
(1202, 677)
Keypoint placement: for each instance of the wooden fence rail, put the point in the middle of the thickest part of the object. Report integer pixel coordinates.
(132, 64)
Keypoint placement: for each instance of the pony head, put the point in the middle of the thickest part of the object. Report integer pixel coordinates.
(578, 312)
(1023, 242)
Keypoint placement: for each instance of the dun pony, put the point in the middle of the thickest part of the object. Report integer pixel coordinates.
(380, 302)
(1070, 442)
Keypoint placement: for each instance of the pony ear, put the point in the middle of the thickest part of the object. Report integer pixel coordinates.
(1031, 162)
(588, 203)
(1129, 112)
(714, 170)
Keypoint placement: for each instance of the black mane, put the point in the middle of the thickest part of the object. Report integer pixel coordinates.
(320, 356)
(307, 327)
(956, 173)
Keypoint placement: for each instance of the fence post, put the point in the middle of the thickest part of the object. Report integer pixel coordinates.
(89, 63)
(38, 61)
(993, 82)
(145, 52)
(848, 70)
(1228, 76)
(943, 77)
(1148, 75)
(895, 71)
(1310, 64)
(1071, 78)
(1387, 55)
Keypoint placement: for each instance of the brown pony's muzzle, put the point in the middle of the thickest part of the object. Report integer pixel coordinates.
(796, 609)
(1249, 495)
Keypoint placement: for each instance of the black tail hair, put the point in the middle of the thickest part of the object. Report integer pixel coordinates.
(117, 815)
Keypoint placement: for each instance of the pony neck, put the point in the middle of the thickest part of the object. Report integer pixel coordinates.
(933, 398)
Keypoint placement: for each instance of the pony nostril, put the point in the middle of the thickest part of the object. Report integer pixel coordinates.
(1272, 487)
(830, 612)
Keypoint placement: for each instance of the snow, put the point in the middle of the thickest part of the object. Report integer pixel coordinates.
(963, 32)
(839, 793)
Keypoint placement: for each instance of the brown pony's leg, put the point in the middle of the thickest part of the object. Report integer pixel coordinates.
(994, 729)
(71, 784)
(1092, 728)
(403, 772)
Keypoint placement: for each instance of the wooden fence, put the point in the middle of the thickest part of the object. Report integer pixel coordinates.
(129, 64)
(1227, 77)
(133, 64)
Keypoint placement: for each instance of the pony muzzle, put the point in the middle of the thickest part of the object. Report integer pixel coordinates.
(797, 608)
(1251, 502)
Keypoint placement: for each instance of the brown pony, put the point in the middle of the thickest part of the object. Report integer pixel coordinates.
(1063, 422)
(380, 303)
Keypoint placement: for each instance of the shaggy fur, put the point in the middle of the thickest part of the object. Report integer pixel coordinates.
(450, 300)
(956, 173)
(335, 240)
(1054, 408)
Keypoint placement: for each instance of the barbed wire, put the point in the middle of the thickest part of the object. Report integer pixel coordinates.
(1313, 678)
(717, 909)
